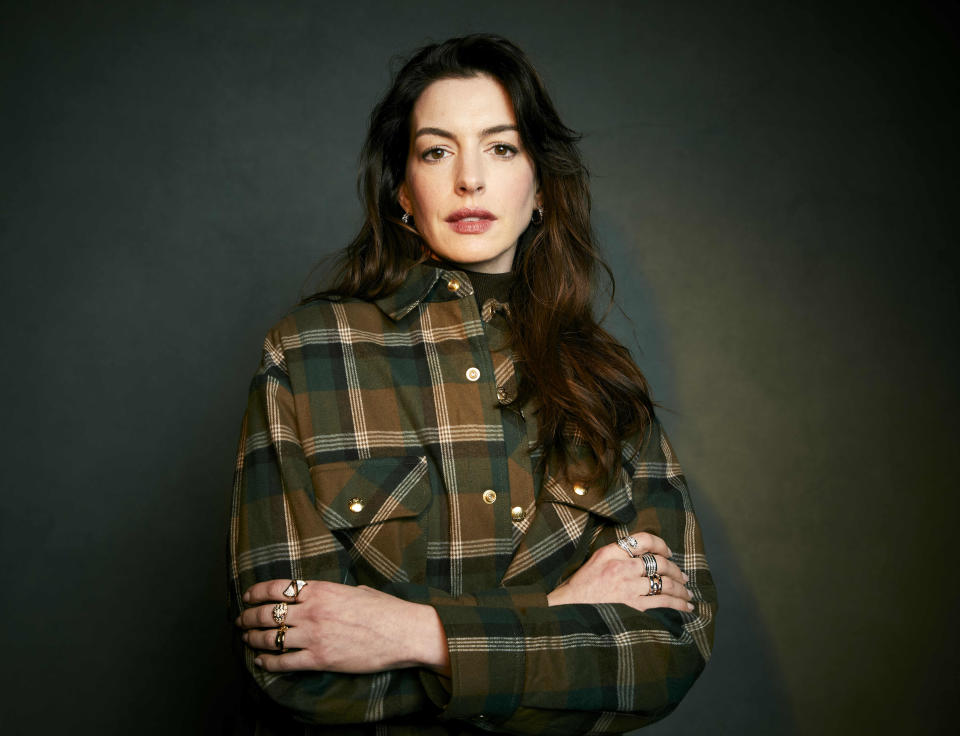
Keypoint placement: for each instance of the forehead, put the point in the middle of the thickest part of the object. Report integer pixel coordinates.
(475, 102)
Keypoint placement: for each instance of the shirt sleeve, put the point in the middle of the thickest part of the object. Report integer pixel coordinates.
(275, 532)
(591, 668)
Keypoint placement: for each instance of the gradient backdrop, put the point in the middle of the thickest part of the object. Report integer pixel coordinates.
(775, 188)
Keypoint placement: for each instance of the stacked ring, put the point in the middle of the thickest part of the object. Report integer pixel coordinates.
(293, 590)
(281, 635)
(628, 545)
(656, 584)
(650, 563)
(279, 613)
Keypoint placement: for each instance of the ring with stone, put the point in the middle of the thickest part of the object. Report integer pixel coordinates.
(293, 590)
(628, 545)
(279, 613)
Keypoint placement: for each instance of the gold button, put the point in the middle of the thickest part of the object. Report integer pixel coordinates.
(473, 374)
(517, 513)
(355, 505)
(579, 490)
(453, 285)
(502, 396)
(489, 496)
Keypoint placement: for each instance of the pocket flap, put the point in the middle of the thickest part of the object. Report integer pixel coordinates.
(362, 492)
(614, 502)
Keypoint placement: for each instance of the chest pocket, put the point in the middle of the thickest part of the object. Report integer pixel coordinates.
(373, 507)
(557, 538)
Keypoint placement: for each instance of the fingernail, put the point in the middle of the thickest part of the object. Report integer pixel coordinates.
(236, 621)
(689, 606)
(258, 662)
(245, 637)
(669, 553)
(686, 578)
(246, 597)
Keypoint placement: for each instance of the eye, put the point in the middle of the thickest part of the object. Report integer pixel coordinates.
(434, 154)
(504, 150)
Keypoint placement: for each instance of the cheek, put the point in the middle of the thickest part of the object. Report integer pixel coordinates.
(522, 189)
(423, 193)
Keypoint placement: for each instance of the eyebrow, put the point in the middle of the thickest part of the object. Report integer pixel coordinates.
(447, 134)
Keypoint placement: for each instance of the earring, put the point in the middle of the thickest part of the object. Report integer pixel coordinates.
(537, 217)
(406, 218)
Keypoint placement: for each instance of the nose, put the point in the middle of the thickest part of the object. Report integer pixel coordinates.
(470, 176)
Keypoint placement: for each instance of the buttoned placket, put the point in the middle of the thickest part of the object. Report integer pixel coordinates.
(514, 423)
(498, 382)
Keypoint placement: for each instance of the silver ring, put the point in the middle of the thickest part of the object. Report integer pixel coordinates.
(656, 584)
(628, 545)
(650, 563)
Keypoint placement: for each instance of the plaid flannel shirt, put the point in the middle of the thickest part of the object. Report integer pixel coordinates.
(379, 448)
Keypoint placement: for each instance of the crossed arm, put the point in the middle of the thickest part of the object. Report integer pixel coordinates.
(356, 629)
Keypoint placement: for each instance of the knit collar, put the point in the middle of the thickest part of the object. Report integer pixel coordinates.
(488, 286)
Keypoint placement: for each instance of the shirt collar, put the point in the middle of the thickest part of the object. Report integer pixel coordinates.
(425, 282)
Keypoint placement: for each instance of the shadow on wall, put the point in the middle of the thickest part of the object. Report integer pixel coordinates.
(742, 690)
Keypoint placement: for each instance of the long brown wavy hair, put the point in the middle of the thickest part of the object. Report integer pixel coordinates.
(587, 388)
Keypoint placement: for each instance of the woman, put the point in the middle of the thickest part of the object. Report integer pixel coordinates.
(454, 508)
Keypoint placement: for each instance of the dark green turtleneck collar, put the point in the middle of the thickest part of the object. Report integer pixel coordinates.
(487, 285)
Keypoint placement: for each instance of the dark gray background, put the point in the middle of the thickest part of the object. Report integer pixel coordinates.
(775, 186)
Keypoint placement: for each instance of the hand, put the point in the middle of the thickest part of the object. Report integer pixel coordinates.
(612, 576)
(342, 628)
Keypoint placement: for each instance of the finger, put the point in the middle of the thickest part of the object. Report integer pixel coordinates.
(261, 617)
(668, 569)
(672, 588)
(270, 590)
(662, 601)
(634, 570)
(651, 543)
(301, 659)
(266, 639)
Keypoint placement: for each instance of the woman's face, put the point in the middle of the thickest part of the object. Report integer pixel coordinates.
(469, 185)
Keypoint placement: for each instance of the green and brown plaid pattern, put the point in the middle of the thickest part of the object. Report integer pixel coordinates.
(373, 438)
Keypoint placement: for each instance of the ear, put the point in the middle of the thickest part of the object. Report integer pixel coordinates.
(404, 198)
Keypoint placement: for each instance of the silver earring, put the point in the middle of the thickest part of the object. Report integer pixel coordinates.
(537, 217)
(406, 218)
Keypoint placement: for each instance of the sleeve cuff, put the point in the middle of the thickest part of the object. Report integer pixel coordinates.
(487, 660)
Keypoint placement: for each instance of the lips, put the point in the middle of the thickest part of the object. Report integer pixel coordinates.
(470, 214)
(471, 220)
